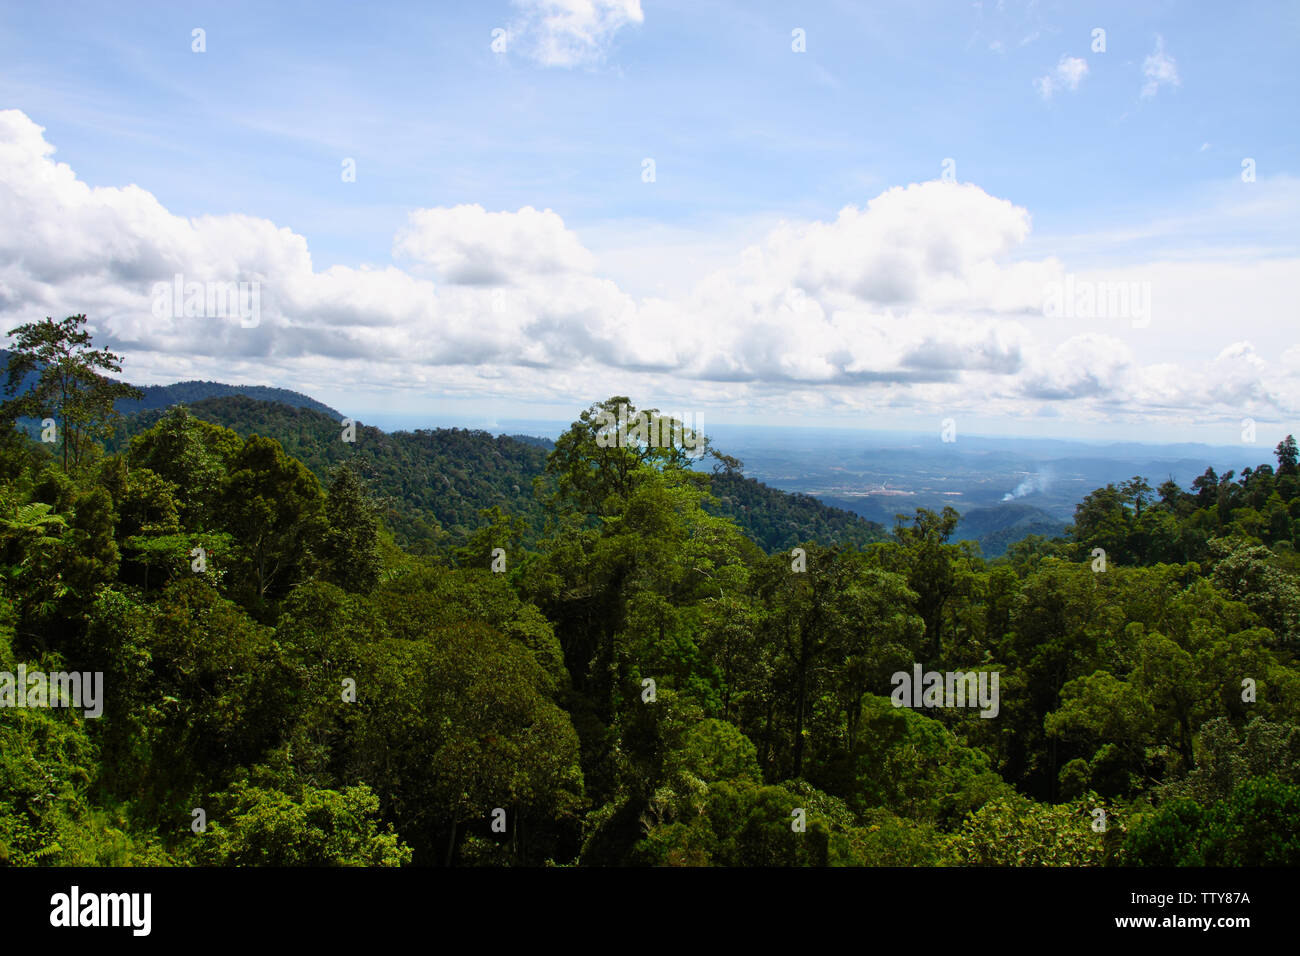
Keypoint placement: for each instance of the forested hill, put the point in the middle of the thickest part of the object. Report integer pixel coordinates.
(994, 529)
(161, 397)
(435, 482)
(267, 655)
(778, 520)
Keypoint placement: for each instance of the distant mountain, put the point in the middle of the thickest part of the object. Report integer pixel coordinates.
(165, 396)
(1000, 526)
(878, 480)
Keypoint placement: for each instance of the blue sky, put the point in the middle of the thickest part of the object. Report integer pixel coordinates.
(1115, 166)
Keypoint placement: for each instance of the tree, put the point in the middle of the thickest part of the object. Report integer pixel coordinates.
(69, 387)
(319, 828)
(1250, 573)
(592, 461)
(194, 455)
(1206, 487)
(32, 539)
(1259, 825)
(1171, 496)
(1287, 456)
(1172, 836)
(351, 546)
(1226, 755)
(274, 507)
(910, 764)
(1102, 521)
(1020, 832)
(929, 561)
(501, 531)
(1256, 826)
(213, 698)
(456, 723)
(1137, 491)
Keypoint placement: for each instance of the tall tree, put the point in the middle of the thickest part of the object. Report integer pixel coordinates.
(928, 559)
(193, 455)
(274, 507)
(69, 387)
(601, 454)
(1137, 491)
(351, 545)
(1287, 456)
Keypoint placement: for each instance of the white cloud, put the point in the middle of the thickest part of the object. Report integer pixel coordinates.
(467, 245)
(1160, 69)
(1069, 73)
(571, 32)
(1085, 366)
(924, 296)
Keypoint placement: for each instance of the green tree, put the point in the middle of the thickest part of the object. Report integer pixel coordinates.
(1171, 836)
(350, 548)
(929, 560)
(1018, 832)
(454, 724)
(254, 826)
(69, 387)
(195, 456)
(1287, 456)
(1137, 491)
(1101, 520)
(274, 507)
(591, 463)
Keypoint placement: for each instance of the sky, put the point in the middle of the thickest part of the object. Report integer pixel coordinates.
(1056, 220)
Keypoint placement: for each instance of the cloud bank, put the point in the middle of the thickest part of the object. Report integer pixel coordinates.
(920, 298)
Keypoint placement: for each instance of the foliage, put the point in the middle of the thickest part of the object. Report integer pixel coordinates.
(309, 638)
(69, 385)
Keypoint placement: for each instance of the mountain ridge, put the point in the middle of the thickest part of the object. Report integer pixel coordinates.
(435, 482)
(193, 390)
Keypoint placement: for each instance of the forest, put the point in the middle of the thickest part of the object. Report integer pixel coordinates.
(312, 655)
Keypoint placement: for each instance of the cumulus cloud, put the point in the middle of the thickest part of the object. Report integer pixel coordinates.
(1069, 73)
(1160, 69)
(1090, 365)
(920, 297)
(467, 245)
(571, 32)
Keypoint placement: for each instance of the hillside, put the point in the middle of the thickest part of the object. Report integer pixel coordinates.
(231, 668)
(777, 520)
(995, 529)
(435, 482)
(162, 397)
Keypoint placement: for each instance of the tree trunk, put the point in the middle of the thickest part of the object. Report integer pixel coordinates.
(451, 844)
(798, 719)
